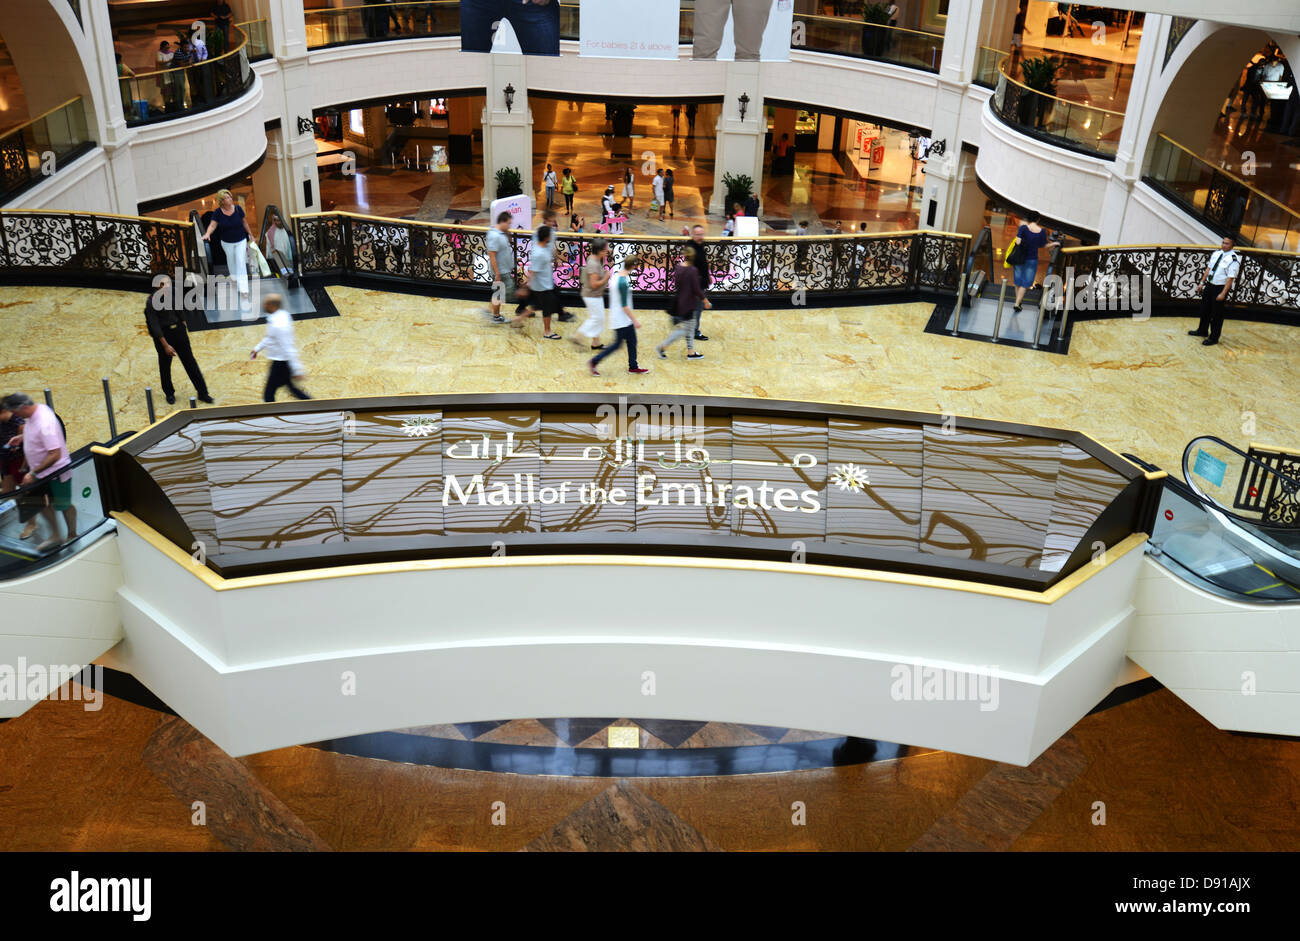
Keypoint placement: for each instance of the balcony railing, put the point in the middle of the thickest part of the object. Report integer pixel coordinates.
(259, 39)
(38, 149)
(189, 89)
(987, 63)
(42, 247)
(382, 22)
(846, 37)
(1080, 127)
(1222, 200)
(347, 244)
(1268, 282)
(833, 34)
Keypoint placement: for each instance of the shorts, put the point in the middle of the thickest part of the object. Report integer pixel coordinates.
(1025, 273)
(548, 302)
(59, 492)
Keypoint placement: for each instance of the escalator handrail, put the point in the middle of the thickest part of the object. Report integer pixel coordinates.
(273, 210)
(986, 234)
(1213, 504)
(201, 249)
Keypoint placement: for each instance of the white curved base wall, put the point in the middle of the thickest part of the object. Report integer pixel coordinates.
(1236, 664)
(263, 667)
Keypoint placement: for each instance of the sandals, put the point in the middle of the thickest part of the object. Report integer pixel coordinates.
(551, 336)
(695, 356)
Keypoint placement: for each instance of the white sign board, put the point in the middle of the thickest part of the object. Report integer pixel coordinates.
(747, 227)
(629, 29)
(520, 209)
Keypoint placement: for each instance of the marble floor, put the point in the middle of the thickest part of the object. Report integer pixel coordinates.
(126, 777)
(1138, 386)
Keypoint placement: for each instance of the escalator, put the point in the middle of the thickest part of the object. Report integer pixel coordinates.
(274, 268)
(1230, 527)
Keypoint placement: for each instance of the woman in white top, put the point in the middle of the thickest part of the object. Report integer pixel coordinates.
(629, 186)
(550, 181)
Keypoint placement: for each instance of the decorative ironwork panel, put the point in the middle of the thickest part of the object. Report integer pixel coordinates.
(441, 254)
(15, 170)
(38, 240)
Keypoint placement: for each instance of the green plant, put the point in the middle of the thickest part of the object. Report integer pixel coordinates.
(738, 186)
(1040, 74)
(509, 182)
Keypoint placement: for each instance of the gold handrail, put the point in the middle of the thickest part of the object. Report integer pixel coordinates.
(384, 7)
(1200, 248)
(43, 114)
(1076, 104)
(845, 19)
(637, 238)
(1232, 176)
(181, 68)
(98, 215)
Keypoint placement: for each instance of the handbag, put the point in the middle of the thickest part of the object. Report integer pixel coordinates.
(1015, 254)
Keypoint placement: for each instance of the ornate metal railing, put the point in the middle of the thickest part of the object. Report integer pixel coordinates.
(1221, 199)
(346, 244)
(33, 151)
(1268, 282)
(1081, 127)
(188, 89)
(59, 247)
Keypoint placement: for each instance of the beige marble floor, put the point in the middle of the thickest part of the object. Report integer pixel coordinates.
(1144, 387)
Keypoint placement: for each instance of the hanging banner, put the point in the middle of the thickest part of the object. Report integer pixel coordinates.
(740, 30)
(629, 29)
(530, 27)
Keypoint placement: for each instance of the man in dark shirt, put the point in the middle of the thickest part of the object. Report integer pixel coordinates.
(702, 265)
(164, 315)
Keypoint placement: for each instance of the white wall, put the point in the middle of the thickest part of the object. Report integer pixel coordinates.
(84, 185)
(65, 614)
(1059, 183)
(1203, 647)
(386, 70)
(175, 156)
(262, 667)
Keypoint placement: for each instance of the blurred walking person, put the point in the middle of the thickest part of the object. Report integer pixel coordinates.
(281, 349)
(622, 319)
(689, 301)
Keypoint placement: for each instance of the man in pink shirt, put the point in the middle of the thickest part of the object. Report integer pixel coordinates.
(46, 452)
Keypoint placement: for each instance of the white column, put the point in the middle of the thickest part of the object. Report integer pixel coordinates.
(292, 151)
(108, 124)
(739, 141)
(961, 42)
(1130, 156)
(507, 134)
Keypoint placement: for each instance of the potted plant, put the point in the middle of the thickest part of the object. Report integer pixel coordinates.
(509, 182)
(620, 119)
(875, 35)
(1039, 76)
(738, 186)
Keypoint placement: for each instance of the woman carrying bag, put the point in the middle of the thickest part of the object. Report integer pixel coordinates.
(1022, 255)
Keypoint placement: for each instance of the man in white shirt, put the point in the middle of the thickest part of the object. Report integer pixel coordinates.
(281, 350)
(1216, 282)
(657, 188)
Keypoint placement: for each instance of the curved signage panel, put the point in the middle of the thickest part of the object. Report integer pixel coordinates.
(308, 484)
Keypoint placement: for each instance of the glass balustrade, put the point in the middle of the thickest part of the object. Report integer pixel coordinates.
(1080, 126)
(168, 93)
(33, 151)
(1222, 199)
